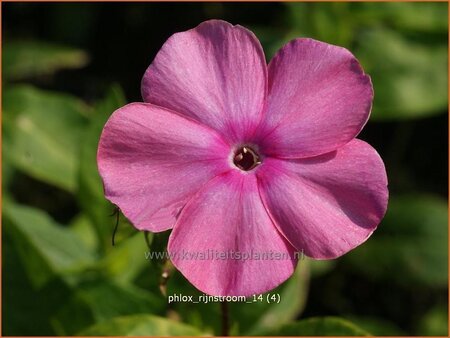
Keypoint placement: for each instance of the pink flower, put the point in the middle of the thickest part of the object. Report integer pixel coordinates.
(237, 156)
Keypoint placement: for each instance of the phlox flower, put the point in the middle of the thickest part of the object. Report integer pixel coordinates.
(236, 155)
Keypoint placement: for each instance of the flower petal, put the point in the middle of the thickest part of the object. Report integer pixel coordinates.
(329, 204)
(152, 160)
(215, 73)
(228, 216)
(319, 99)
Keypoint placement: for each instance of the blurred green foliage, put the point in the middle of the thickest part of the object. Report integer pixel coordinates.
(141, 325)
(323, 326)
(35, 58)
(47, 151)
(63, 277)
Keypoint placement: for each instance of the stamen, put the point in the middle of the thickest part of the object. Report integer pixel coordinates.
(246, 158)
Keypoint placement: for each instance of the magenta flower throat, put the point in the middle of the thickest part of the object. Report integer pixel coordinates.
(235, 155)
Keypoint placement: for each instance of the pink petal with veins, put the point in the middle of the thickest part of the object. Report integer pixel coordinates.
(329, 204)
(319, 99)
(152, 160)
(227, 215)
(215, 73)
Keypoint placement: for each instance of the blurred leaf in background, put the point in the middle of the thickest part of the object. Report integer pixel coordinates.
(141, 325)
(100, 300)
(42, 133)
(320, 326)
(28, 59)
(46, 248)
(435, 322)
(377, 326)
(27, 308)
(409, 76)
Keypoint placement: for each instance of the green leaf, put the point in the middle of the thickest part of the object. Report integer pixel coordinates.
(428, 17)
(8, 170)
(26, 59)
(409, 77)
(126, 260)
(26, 309)
(101, 300)
(82, 226)
(377, 326)
(123, 262)
(410, 245)
(90, 194)
(141, 325)
(42, 131)
(331, 22)
(46, 248)
(320, 326)
(425, 17)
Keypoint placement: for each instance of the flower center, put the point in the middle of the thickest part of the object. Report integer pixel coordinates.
(245, 158)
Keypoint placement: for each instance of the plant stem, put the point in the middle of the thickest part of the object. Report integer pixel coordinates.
(225, 318)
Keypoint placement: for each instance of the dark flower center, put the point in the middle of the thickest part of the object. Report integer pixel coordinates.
(245, 158)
